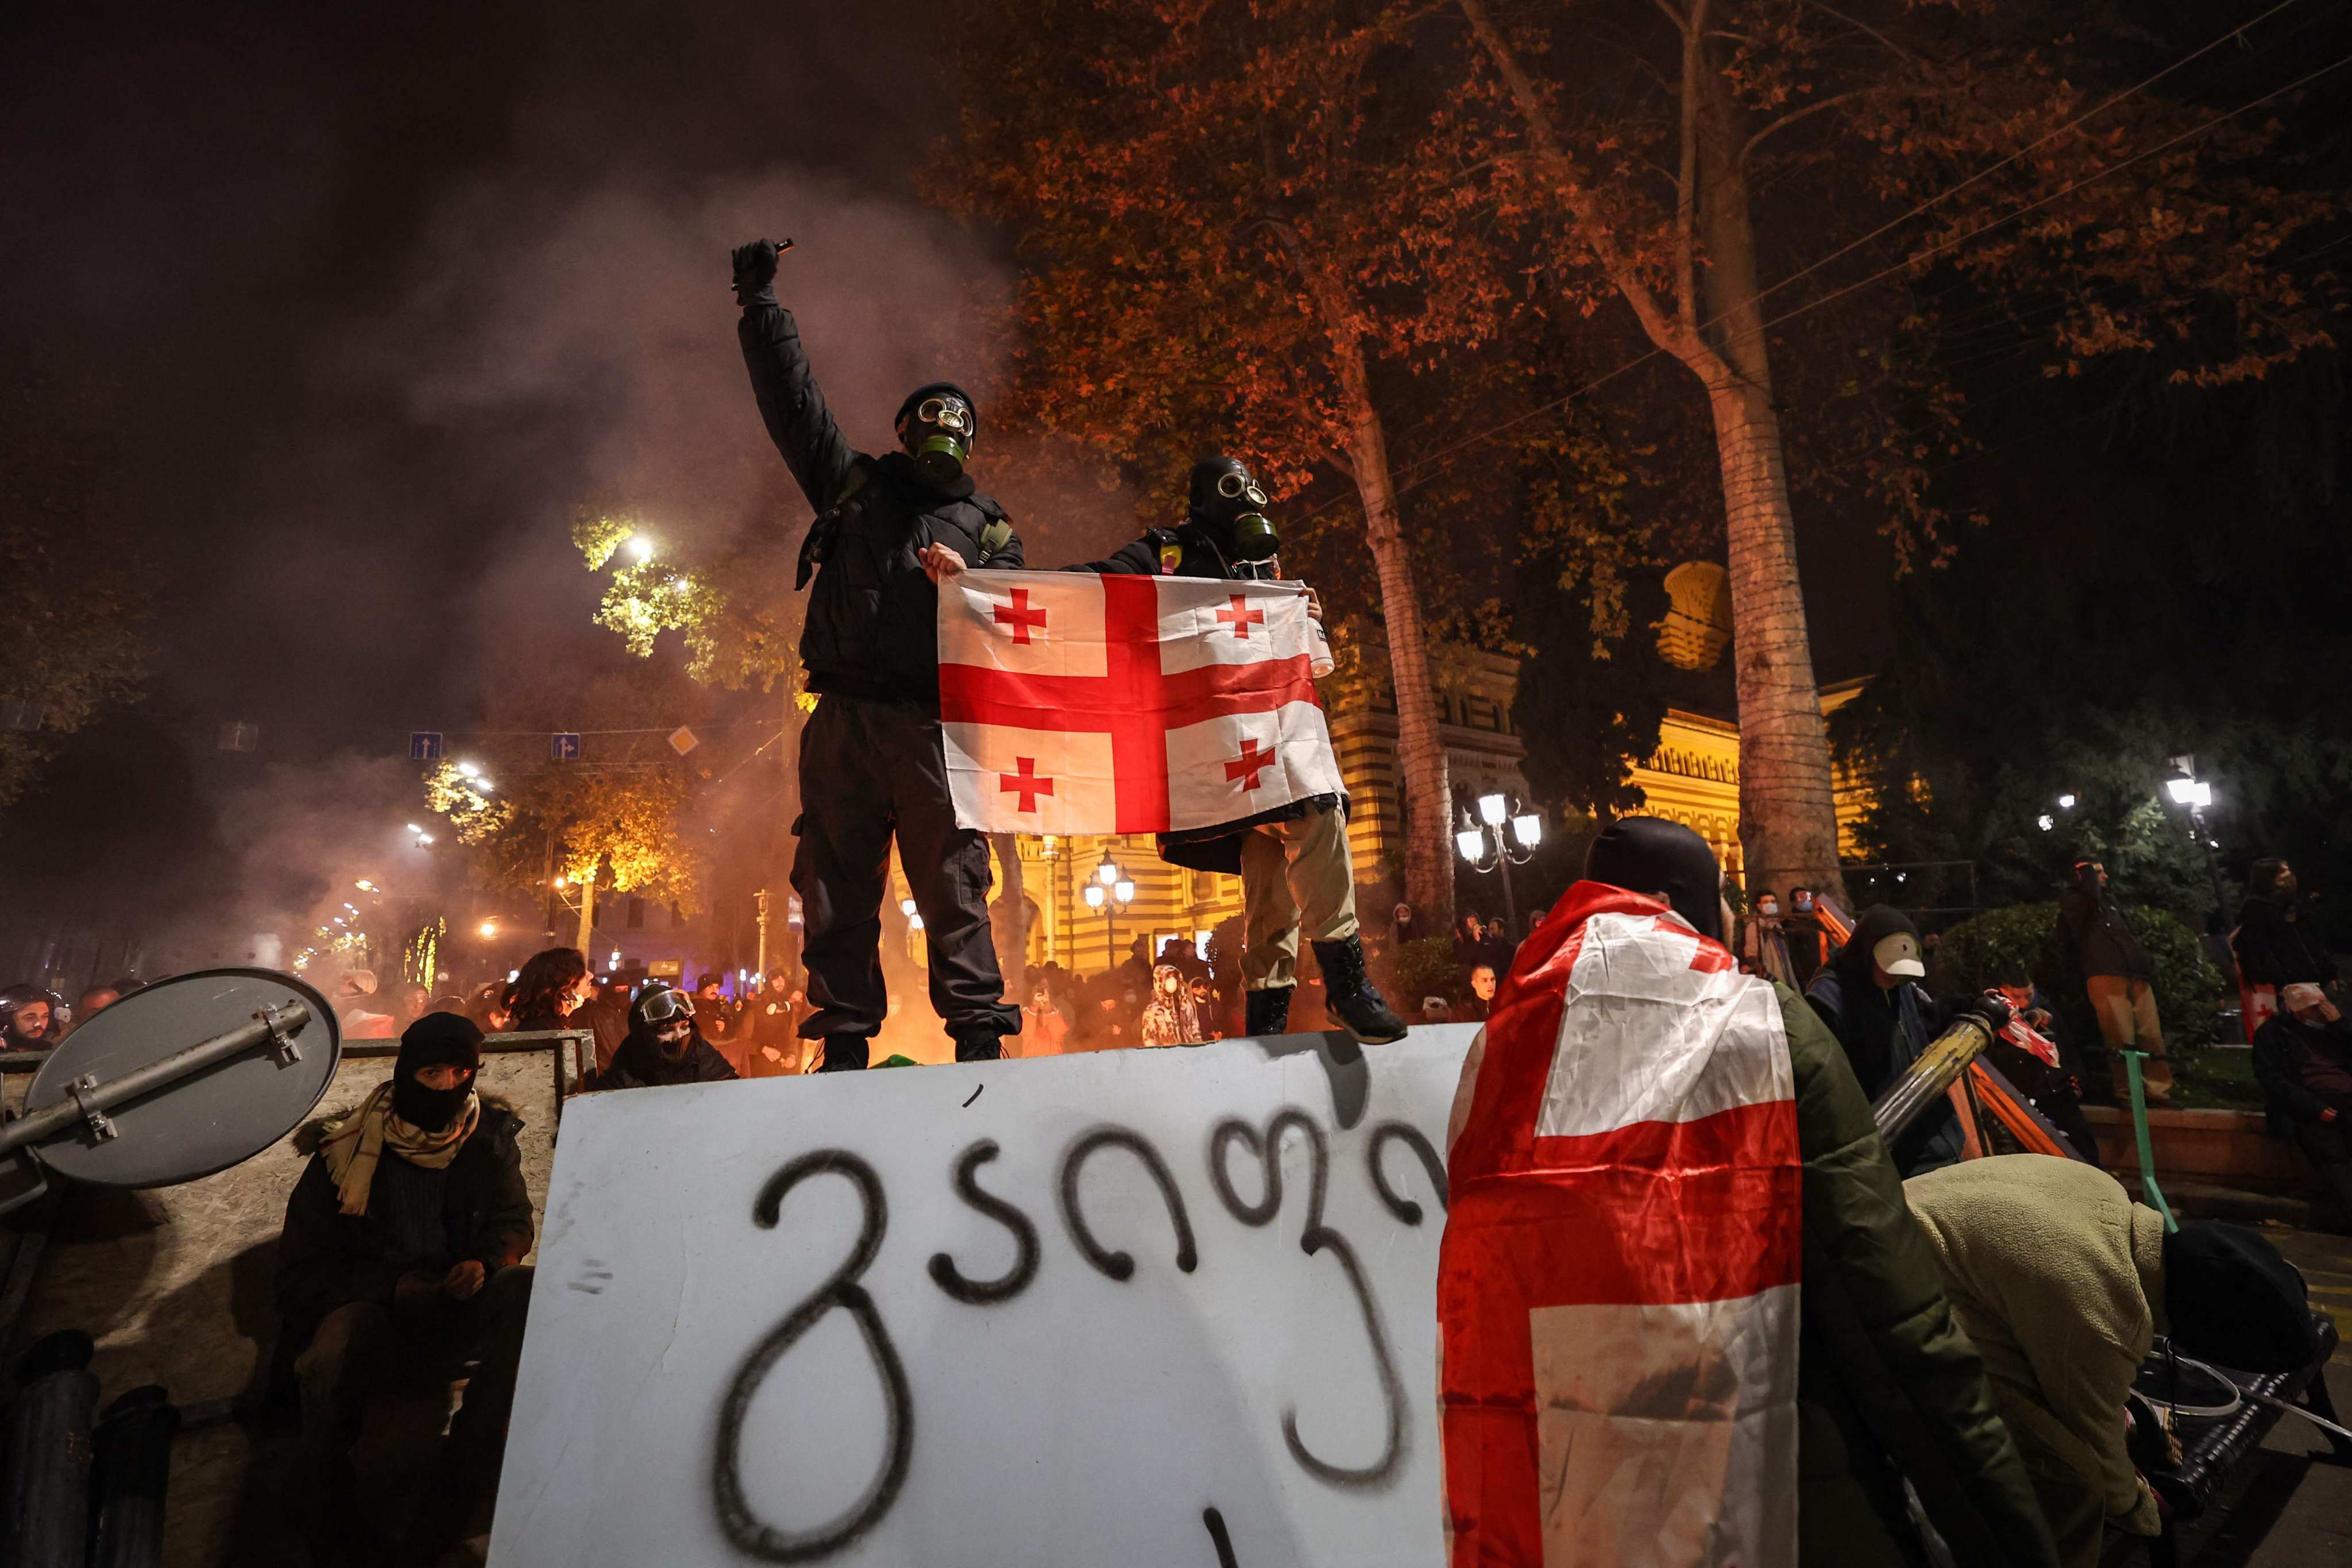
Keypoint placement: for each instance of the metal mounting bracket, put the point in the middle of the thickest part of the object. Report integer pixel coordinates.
(281, 1044)
(101, 1126)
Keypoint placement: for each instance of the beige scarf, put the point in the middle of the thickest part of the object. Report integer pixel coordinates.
(354, 1144)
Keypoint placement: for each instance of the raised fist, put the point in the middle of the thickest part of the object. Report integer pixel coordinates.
(755, 273)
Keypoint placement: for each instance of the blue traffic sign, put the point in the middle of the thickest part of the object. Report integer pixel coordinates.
(425, 745)
(563, 748)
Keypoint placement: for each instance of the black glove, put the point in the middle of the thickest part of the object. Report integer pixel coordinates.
(1992, 1010)
(755, 273)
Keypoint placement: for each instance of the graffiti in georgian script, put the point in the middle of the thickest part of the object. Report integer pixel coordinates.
(1146, 1306)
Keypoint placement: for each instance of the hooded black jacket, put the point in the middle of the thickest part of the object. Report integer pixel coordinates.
(873, 616)
(327, 1258)
(2275, 951)
(639, 1063)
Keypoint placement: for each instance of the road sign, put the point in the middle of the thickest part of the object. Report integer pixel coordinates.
(425, 745)
(563, 748)
(683, 740)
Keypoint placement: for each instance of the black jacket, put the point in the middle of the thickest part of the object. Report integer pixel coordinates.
(1190, 551)
(2275, 951)
(639, 1063)
(2281, 1046)
(2091, 928)
(873, 618)
(327, 1258)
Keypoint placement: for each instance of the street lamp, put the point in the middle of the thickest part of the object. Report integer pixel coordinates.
(2187, 789)
(1505, 834)
(640, 548)
(1111, 892)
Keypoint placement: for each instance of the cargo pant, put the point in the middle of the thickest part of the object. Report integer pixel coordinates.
(1294, 874)
(2127, 1021)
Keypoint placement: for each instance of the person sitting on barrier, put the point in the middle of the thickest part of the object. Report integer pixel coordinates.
(1870, 997)
(402, 1257)
(2303, 1059)
(2062, 1283)
(1887, 1387)
(664, 1045)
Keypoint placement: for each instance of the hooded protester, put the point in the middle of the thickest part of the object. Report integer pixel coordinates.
(871, 761)
(403, 1251)
(663, 1047)
(2118, 976)
(1870, 997)
(2303, 1059)
(1297, 869)
(1170, 1018)
(1802, 933)
(26, 1016)
(1615, 1022)
(2062, 1283)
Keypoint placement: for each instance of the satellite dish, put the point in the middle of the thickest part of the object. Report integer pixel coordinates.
(179, 1080)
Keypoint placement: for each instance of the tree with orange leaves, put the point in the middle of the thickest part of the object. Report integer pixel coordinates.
(1235, 224)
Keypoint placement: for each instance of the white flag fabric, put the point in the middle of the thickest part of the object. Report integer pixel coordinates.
(1617, 1295)
(1081, 703)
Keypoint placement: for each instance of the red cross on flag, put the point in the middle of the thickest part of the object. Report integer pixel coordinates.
(1078, 703)
(1617, 1289)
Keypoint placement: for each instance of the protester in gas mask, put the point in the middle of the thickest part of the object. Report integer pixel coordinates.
(2063, 1282)
(871, 757)
(402, 1254)
(2118, 976)
(1294, 861)
(664, 1045)
(1870, 996)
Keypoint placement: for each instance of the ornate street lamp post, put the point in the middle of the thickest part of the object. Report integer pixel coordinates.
(1504, 834)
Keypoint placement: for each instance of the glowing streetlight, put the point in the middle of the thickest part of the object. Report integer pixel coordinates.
(414, 828)
(640, 548)
(2065, 803)
(1493, 809)
(1504, 834)
(468, 771)
(364, 885)
(490, 928)
(906, 907)
(2045, 822)
(2195, 793)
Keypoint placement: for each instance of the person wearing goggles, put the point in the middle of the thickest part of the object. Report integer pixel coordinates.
(872, 762)
(664, 1045)
(1296, 871)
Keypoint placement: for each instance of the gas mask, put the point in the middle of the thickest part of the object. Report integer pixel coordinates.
(937, 426)
(1225, 499)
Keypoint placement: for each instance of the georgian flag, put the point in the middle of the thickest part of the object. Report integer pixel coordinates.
(1074, 702)
(1617, 1289)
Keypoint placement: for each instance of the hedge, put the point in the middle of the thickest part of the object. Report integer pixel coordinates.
(1995, 946)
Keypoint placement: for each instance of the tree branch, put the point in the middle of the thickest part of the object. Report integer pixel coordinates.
(1792, 117)
(1861, 26)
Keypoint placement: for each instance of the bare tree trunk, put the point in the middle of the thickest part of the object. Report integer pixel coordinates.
(1787, 815)
(588, 918)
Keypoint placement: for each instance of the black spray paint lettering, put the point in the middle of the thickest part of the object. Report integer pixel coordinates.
(1316, 1238)
(745, 1529)
(1219, 1538)
(1120, 1265)
(987, 1292)
(1387, 1132)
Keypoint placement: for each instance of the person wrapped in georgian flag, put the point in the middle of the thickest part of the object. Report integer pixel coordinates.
(1685, 1318)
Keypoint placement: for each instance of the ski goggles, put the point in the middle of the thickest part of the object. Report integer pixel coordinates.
(666, 1005)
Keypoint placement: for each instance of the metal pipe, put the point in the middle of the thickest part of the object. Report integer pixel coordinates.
(1926, 1079)
(73, 1110)
(48, 1522)
(131, 1468)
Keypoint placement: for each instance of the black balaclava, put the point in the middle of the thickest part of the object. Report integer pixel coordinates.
(437, 1039)
(1651, 855)
(1224, 497)
(938, 425)
(2234, 1302)
(648, 1030)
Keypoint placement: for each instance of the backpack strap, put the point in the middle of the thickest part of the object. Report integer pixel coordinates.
(996, 534)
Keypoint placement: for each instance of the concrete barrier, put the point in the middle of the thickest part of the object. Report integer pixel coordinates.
(2210, 1148)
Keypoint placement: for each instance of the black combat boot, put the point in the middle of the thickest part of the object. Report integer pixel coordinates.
(979, 1047)
(844, 1053)
(1348, 993)
(1265, 1013)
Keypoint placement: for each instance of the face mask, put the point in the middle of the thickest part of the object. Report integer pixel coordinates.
(428, 1109)
(1228, 502)
(1802, 903)
(1767, 909)
(939, 437)
(673, 1039)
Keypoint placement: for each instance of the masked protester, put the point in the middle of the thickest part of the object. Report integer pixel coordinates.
(1886, 1388)
(663, 1047)
(2118, 976)
(402, 1255)
(1294, 861)
(2303, 1059)
(1870, 996)
(2062, 1283)
(1802, 933)
(1170, 1018)
(1764, 944)
(872, 764)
